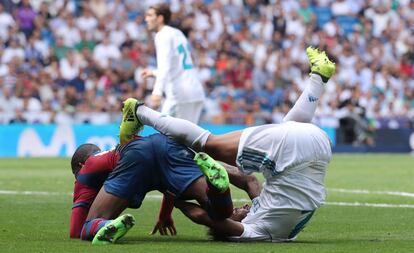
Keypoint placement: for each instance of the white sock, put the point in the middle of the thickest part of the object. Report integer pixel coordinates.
(304, 108)
(183, 131)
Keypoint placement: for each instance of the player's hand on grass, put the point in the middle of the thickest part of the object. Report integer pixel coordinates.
(165, 227)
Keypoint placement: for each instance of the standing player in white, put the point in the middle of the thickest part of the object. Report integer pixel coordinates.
(293, 157)
(176, 76)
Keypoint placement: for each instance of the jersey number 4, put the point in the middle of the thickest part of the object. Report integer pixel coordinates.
(186, 62)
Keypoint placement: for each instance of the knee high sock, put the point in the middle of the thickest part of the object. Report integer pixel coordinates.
(183, 131)
(305, 107)
(91, 227)
(220, 203)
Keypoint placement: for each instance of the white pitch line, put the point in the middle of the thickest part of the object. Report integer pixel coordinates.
(361, 191)
(33, 193)
(380, 205)
(159, 196)
(377, 205)
(352, 191)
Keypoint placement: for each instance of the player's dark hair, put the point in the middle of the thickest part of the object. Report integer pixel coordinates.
(81, 154)
(162, 10)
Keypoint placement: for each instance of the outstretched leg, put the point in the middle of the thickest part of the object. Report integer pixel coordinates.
(321, 70)
(305, 107)
(225, 147)
(221, 147)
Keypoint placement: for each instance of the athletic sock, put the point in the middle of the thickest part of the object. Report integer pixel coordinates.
(91, 227)
(220, 203)
(305, 107)
(183, 131)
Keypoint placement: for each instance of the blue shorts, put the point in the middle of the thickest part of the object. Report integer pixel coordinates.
(152, 163)
(178, 167)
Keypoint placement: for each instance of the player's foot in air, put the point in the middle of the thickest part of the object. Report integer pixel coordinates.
(216, 174)
(320, 63)
(114, 230)
(130, 125)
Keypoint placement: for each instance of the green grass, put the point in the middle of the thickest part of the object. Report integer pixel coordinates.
(39, 223)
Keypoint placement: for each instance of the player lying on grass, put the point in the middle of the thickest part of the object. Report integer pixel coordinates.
(293, 157)
(144, 164)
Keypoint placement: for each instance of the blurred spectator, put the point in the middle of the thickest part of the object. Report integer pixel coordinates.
(8, 101)
(87, 22)
(6, 21)
(14, 50)
(60, 49)
(270, 97)
(105, 51)
(18, 118)
(31, 52)
(69, 66)
(25, 16)
(99, 8)
(69, 32)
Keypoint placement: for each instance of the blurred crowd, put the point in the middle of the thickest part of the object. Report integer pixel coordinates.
(73, 61)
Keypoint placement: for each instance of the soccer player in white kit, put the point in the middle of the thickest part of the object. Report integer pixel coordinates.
(293, 157)
(176, 76)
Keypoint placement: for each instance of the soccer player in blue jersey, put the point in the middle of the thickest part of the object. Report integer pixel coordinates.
(143, 164)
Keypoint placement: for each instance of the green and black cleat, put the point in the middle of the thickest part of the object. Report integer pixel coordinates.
(215, 173)
(130, 125)
(114, 230)
(320, 63)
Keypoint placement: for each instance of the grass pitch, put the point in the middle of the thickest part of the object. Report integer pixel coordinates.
(370, 208)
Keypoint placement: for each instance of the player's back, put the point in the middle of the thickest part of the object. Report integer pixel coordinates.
(97, 168)
(293, 157)
(172, 164)
(152, 163)
(152, 158)
(181, 81)
(275, 147)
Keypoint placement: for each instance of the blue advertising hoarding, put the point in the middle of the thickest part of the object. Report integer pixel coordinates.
(21, 140)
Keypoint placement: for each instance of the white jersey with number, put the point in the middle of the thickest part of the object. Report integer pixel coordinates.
(176, 76)
(293, 157)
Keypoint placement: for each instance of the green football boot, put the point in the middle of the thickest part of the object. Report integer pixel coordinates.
(320, 63)
(215, 172)
(130, 125)
(114, 230)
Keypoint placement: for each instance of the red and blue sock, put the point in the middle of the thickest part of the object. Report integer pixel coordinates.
(91, 227)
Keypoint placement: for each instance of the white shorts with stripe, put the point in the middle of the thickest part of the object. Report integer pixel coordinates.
(275, 225)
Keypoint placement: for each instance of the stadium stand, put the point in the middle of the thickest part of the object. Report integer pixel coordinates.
(71, 61)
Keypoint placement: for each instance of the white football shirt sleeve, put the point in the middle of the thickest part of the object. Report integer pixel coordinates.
(163, 47)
